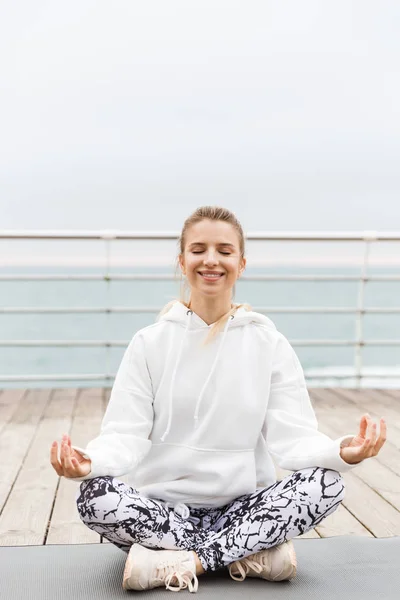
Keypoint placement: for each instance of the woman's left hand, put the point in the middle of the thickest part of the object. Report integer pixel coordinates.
(364, 445)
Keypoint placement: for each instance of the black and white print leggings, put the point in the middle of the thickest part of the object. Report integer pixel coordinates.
(219, 536)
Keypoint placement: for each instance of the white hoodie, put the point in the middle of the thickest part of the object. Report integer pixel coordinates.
(199, 425)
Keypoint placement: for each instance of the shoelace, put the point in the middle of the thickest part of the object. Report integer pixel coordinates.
(183, 579)
(243, 566)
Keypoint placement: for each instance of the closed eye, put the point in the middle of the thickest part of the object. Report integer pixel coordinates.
(200, 251)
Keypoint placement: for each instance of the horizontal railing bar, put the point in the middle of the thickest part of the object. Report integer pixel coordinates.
(86, 377)
(171, 277)
(62, 377)
(146, 309)
(109, 234)
(124, 343)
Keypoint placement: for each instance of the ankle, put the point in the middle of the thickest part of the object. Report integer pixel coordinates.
(199, 566)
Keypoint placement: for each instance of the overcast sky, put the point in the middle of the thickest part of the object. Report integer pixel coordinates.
(130, 114)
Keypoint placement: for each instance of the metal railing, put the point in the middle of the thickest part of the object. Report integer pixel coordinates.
(108, 236)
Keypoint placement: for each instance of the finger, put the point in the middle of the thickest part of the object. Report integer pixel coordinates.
(363, 425)
(365, 447)
(70, 468)
(362, 451)
(54, 460)
(382, 436)
(372, 434)
(63, 454)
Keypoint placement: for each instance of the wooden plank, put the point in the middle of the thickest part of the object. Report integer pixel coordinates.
(376, 471)
(350, 413)
(26, 514)
(370, 509)
(379, 478)
(371, 400)
(310, 534)
(15, 440)
(364, 510)
(350, 410)
(66, 526)
(106, 397)
(370, 503)
(342, 522)
(392, 394)
(9, 403)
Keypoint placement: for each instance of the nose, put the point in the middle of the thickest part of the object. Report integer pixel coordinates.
(210, 259)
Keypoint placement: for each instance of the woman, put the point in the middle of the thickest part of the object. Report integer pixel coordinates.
(203, 400)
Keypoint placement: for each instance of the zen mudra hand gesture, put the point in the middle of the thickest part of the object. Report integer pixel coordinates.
(362, 446)
(71, 463)
(365, 444)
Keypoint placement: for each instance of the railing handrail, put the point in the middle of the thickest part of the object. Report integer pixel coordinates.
(169, 277)
(150, 309)
(109, 235)
(116, 234)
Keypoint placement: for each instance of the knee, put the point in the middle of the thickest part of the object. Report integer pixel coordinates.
(321, 478)
(88, 494)
(332, 478)
(91, 487)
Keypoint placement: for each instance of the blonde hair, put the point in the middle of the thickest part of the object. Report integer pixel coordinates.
(214, 213)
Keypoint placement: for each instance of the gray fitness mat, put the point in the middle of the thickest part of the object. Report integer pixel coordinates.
(347, 567)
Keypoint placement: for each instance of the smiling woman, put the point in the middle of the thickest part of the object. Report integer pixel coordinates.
(207, 361)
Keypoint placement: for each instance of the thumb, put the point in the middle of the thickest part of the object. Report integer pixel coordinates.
(363, 425)
(83, 466)
(78, 459)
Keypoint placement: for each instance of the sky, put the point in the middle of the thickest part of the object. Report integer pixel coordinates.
(129, 115)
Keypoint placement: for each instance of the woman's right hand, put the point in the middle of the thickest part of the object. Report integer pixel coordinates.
(71, 463)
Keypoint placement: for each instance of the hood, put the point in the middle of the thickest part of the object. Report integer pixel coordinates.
(186, 318)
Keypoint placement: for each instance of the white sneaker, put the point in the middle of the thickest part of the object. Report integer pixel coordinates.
(146, 569)
(278, 563)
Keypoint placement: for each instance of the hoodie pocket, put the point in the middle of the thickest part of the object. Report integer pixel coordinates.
(195, 476)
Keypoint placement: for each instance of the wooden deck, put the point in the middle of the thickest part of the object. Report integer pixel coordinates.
(38, 507)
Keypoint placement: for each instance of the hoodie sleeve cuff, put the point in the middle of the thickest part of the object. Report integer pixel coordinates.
(337, 462)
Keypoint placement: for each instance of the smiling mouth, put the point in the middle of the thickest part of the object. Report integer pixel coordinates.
(211, 277)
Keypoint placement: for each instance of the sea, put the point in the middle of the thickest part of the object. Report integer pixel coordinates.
(70, 365)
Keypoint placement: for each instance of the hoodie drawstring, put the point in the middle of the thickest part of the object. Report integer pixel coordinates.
(196, 414)
(174, 375)
(180, 509)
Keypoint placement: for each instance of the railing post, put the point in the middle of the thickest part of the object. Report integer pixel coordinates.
(368, 238)
(108, 237)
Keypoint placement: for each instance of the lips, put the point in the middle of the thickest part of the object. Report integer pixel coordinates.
(211, 276)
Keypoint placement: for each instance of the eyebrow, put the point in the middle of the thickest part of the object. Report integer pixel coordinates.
(203, 244)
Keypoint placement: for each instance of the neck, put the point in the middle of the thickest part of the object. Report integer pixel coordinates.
(210, 309)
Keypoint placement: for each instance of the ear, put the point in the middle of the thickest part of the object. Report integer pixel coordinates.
(181, 265)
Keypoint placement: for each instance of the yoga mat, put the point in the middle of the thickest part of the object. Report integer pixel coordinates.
(345, 567)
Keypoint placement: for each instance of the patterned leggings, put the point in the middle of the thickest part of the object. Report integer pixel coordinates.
(219, 536)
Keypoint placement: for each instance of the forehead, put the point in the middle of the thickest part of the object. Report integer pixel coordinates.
(212, 232)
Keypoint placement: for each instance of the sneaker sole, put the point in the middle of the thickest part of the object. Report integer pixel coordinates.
(293, 560)
(133, 552)
(293, 565)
